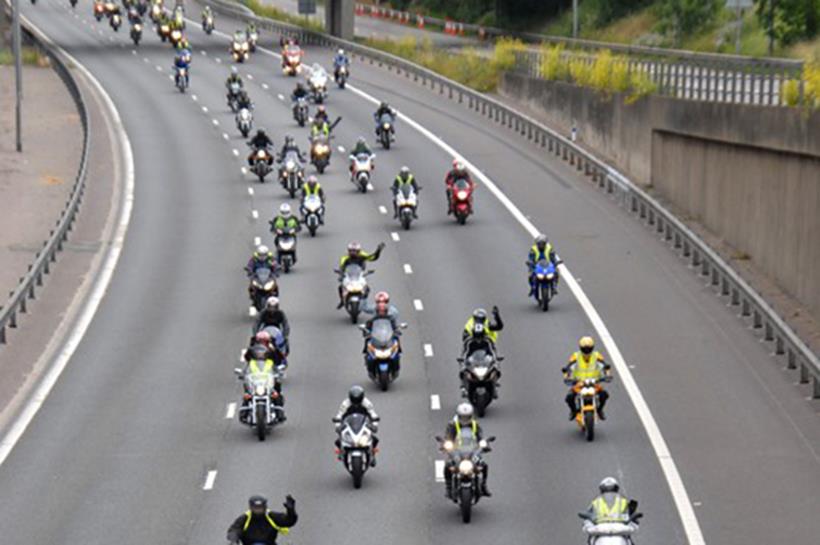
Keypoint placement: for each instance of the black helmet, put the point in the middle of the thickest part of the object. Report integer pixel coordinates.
(288, 139)
(541, 242)
(261, 132)
(299, 85)
(383, 106)
(356, 394)
(258, 501)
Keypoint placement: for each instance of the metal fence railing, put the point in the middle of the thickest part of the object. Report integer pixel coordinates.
(18, 299)
(708, 264)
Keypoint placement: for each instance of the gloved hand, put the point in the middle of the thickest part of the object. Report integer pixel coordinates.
(380, 246)
(495, 312)
(290, 503)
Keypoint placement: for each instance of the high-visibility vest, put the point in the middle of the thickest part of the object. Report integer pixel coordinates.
(492, 335)
(314, 191)
(617, 512)
(473, 427)
(254, 366)
(402, 181)
(583, 369)
(537, 253)
(283, 531)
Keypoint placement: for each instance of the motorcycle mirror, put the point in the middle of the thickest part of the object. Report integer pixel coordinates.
(491, 439)
(636, 517)
(238, 372)
(403, 325)
(439, 439)
(499, 358)
(632, 506)
(368, 273)
(362, 327)
(584, 516)
(460, 360)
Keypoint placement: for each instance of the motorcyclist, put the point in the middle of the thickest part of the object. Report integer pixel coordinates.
(610, 505)
(299, 92)
(181, 62)
(312, 187)
(134, 16)
(384, 109)
(464, 425)
(290, 145)
(274, 316)
(458, 172)
(542, 250)
(259, 526)
(490, 329)
(285, 219)
(355, 255)
(243, 100)
(184, 44)
(207, 14)
(263, 357)
(234, 78)
(382, 309)
(361, 147)
(319, 127)
(586, 363)
(251, 29)
(357, 403)
(262, 257)
(338, 61)
(321, 115)
(260, 141)
(404, 177)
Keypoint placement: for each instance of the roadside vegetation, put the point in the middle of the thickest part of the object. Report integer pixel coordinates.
(276, 14)
(30, 57)
(809, 97)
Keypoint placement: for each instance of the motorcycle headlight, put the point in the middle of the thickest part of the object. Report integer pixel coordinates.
(290, 165)
(382, 353)
(256, 284)
(260, 154)
(480, 372)
(364, 439)
(269, 285)
(550, 276)
(539, 276)
(138, 27)
(244, 47)
(587, 391)
(462, 195)
(321, 148)
(465, 467)
(260, 390)
(386, 126)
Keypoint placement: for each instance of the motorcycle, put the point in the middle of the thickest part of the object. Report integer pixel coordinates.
(406, 202)
(313, 212)
(99, 11)
(175, 37)
(208, 24)
(385, 132)
(612, 533)
(253, 37)
(156, 11)
(261, 161)
(480, 378)
(233, 96)
(116, 22)
(465, 460)
(320, 152)
(292, 60)
(363, 165)
(383, 357)
(240, 51)
(136, 33)
(291, 173)
(179, 18)
(354, 289)
(300, 111)
(545, 278)
(462, 200)
(181, 79)
(317, 84)
(164, 31)
(142, 7)
(586, 404)
(263, 285)
(356, 452)
(244, 121)
(340, 75)
(286, 248)
(258, 410)
(73, 3)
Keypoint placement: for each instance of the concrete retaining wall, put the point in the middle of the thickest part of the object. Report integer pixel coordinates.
(750, 175)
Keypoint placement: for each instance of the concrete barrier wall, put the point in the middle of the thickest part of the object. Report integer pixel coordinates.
(750, 175)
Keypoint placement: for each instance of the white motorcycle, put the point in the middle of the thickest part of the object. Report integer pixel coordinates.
(313, 212)
(406, 203)
(356, 439)
(317, 82)
(244, 121)
(363, 165)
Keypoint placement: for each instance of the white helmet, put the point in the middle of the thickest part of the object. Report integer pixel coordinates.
(262, 249)
(341, 51)
(609, 484)
(464, 412)
(284, 209)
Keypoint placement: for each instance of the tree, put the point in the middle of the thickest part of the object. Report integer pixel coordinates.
(680, 17)
(793, 19)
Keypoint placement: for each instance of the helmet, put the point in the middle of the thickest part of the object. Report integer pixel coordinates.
(586, 344)
(356, 394)
(272, 303)
(541, 242)
(354, 248)
(383, 106)
(361, 140)
(404, 171)
(263, 337)
(459, 166)
(455, 163)
(300, 85)
(464, 412)
(262, 250)
(320, 109)
(479, 315)
(258, 502)
(382, 300)
(312, 179)
(284, 209)
(341, 52)
(261, 132)
(288, 139)
(609, 484)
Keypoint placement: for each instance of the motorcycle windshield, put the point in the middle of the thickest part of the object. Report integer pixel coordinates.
(291, 156)
(356, 422)
(386, 118)
(480, 358)
(467, 445)
(382, 333)
(354, 273)
(407, 192)
(263, 274)
(544, 267)
(313, 202)
(463, 184)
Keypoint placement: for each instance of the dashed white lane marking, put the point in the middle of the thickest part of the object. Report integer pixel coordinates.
(204, 109)
(218, 60)
(243, 170)
(203, 51)
(428, 350)
(231, 412)
(395, 236)
(194, 98)
(159, 68)
(369, 186)
(251, 313)
(215, 122)
(171, 77)
(341, 149)
(209, 480)
(280, 96)
(257, 241)
(697, 503)
(250, 76)
(145, 59)
(235, 152)
(250, 189)
(255, 214)
(133, 51)
(243, 352)
(435, 402)
(225, 136)
(439, 471)
(408, 269)
(382, 210)
(265, 86)
(417, 305)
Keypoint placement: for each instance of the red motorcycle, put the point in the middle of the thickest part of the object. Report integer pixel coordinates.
(461, 199)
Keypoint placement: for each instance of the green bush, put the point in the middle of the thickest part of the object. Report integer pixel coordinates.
(682, 17)
(794, 20)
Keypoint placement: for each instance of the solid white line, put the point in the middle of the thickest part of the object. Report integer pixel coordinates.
(428, 350)
(670, 470)
(235, 152)
(395, 236)
(255, 214)
(250, 190)
(382, 210)
(417, 304)
(435, 402)
(257, 241)
(439, 474)
(209, 480)
(408, 269)
(45, 385)
(231, 411)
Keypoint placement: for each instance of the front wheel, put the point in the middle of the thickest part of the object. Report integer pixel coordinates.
(261, 422)
(357, 471)
(406, 219)
(466, 504)
(384, 380)
(312, 230)
(589, 425)
(386, 140)
(462, 219)
(321, 166)
(544, 297)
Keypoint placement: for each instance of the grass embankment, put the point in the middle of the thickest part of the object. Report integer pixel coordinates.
(30, 57)
(277, 14)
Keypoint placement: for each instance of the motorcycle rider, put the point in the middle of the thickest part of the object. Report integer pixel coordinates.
(382, 309)
(234, 77)
(312, 187)
(542, 249)
(243, 100)
(259, 526)
(260, 140)
(464, 423)
(285, 220)
(262, 257)
(181, 62)
(355, 255)
(490, 329)
(357, 403)
(299, 92)
(272, 315)
(290, 145)
(610, 505)
(584, 364)
(458, 172)
(207, 14)
(319, 127)
(404, 177)
(264, 357)
(338, 61)
(384, 109)
(361, 147)
(321, 114)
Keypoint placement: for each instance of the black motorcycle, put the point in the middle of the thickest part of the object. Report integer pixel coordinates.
(479, 377)
(463, 468)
